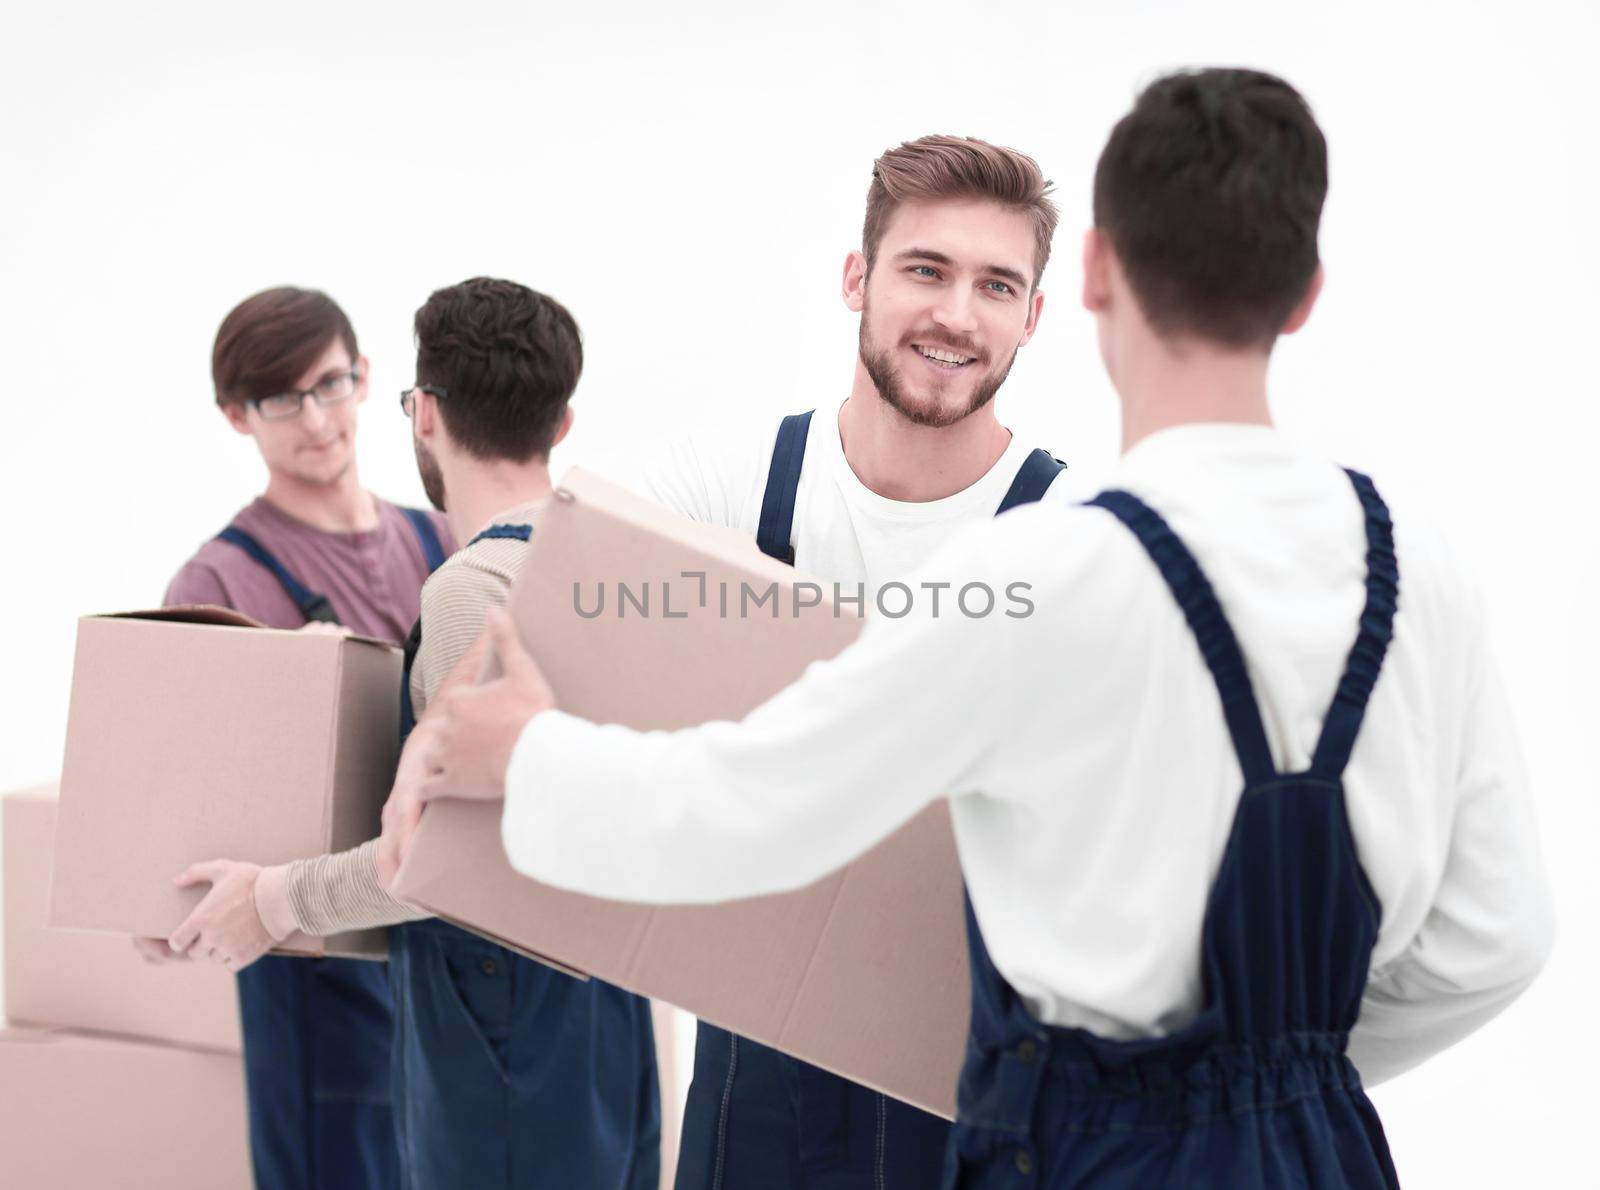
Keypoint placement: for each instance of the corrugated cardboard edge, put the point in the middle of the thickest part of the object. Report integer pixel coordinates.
(725, 545)
(543, 960)
(354, 944)
(166, 1043)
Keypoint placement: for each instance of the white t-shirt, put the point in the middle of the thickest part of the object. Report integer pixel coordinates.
(843, 530)
(1091, 778)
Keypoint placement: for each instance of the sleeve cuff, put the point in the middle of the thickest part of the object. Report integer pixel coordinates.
(272, 902)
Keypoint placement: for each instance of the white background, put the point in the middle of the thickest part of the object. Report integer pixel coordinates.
(688, 183)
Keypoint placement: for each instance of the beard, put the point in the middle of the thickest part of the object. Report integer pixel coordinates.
(432, 477)
(927, 411)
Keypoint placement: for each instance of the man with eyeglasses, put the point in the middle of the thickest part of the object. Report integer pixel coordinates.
(315, 546)
(507, 1074)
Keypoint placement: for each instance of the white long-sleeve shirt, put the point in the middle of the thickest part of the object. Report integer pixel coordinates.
(1091, 779)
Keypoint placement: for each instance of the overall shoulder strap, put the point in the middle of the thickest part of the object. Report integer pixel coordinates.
(1033, 479)
(1212, 632)
(775, 530)
(312, 606)
(1361, 669)
(427, 537)
(408, 712)
(496, 532)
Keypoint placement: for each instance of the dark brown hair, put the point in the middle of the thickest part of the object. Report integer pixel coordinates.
(932, 168)
(267, 342)
(1210, 191)
(508, 358)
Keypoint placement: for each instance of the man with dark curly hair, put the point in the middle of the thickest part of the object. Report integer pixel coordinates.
(506, 1073)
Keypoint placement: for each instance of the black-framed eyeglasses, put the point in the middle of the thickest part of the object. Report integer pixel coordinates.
(330, 390)
(408, 396)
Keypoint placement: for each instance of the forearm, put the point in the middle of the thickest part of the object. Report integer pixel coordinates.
(804, 784)
(332, 894)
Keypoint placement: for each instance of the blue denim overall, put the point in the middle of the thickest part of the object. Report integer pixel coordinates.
(509, 1075)
(757, 1119)
(1257, 1091)
(316, 1031)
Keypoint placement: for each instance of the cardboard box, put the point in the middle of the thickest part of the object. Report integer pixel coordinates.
(86, 1112)
(81, 980)
(196, 734)
(863, 973)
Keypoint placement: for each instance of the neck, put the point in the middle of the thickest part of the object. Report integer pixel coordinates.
(900, 460)
(1166, 385)
(342, 506)
(483, 490)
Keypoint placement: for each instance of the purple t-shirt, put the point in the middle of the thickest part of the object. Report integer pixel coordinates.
(373, 578)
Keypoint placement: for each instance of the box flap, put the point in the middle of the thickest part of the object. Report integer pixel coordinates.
(226, 617)
(718, 542)
(189, 613)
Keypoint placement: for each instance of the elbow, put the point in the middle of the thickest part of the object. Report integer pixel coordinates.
(1530, 948)
(1520, 951)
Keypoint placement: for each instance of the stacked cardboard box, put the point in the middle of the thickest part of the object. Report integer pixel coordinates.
(193, 734)
(90, 1111)
(80, 980)
(113, 1071)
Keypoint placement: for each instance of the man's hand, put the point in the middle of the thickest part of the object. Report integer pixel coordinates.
(224, 927)
(477, 727)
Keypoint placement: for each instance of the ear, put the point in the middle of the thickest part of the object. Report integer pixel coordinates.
(238, 415)
(425, 416)
(1302, 310)
(855, 282)
(566, 427)
(1035, 308)
(362, 370)
(1096, 271)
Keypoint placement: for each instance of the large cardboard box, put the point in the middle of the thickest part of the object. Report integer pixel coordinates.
(82, 980)
(85, 1112)
(863, 973)
(195, 734)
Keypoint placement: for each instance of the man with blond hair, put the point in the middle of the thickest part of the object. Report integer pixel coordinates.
(946, 283)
